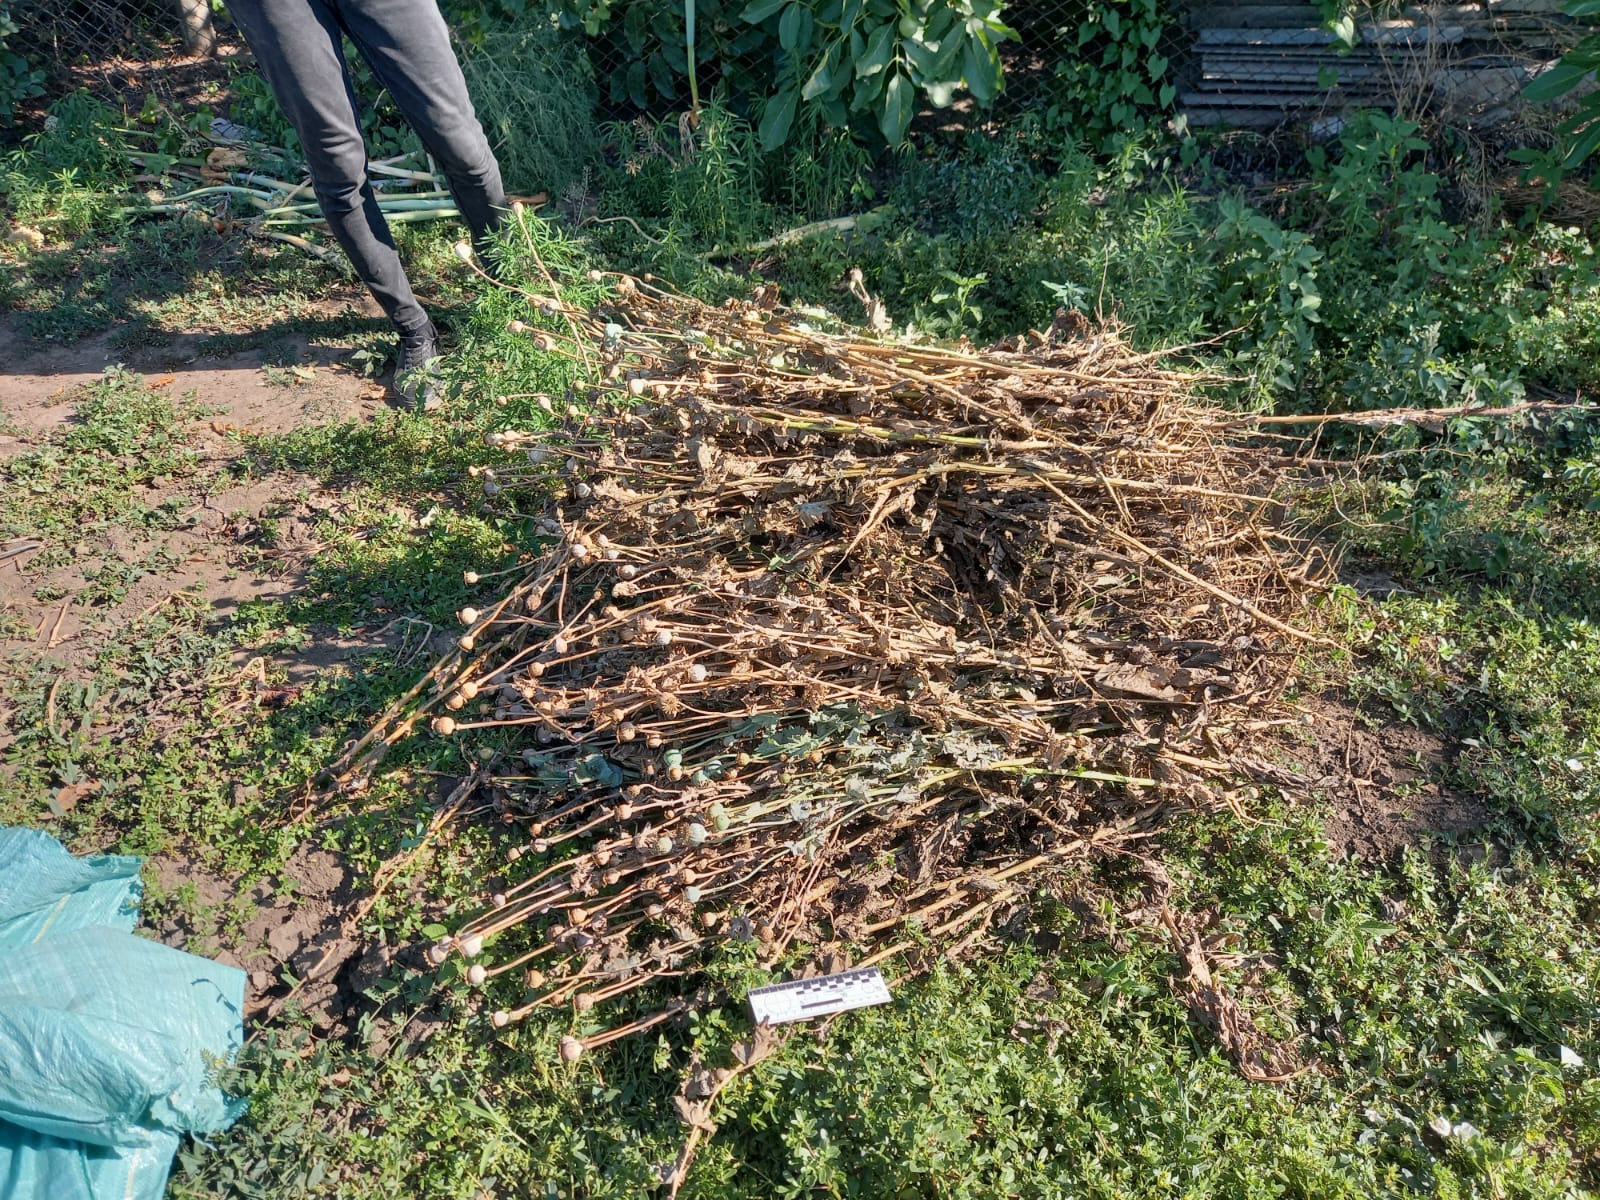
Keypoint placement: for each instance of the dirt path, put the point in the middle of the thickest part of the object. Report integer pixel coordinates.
(254, 390)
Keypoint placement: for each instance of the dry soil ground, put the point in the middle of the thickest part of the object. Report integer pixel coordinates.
(235, 542)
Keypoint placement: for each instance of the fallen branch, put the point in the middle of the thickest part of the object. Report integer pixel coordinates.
(1428, 418)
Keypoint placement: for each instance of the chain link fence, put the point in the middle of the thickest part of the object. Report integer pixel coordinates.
(122, 48)
(61, 36)
(1100, 64)
(87, 33)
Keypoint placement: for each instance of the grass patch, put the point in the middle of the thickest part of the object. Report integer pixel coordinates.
(125, 437)
(1065, 1065)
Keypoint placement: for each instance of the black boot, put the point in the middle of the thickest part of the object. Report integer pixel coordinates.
(416, 372)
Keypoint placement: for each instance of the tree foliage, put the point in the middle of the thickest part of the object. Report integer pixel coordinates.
(1576, 68)
(879, 58)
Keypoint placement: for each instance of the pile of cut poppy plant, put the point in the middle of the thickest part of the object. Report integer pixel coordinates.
(833, 641)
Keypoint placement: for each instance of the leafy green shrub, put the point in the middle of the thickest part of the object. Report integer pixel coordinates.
(703, 184)
(988, 184)
(652, 38)
(872, 59)
(1268, 290)
(1113, 81)
(83, 136)
(1576, 69)
(68, 174)
(878, 57)
(19, 79)
(711, 185)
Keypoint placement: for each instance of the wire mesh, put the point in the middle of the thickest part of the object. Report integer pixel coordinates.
(1241, 63)
(124, 50)
(79, 33)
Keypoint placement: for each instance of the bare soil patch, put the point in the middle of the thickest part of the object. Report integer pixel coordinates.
(248, 541)
(38, 378)
(236, 541)
(214, 560)
(1382, 789)
(276, 931)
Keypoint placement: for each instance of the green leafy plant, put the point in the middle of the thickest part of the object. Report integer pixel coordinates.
(704, 184)
(876, 57)
(1581, 130)
(1269, 287)
(67, 175)
(81, 135)
(668, 45)
(1115, 80)
(950, 311)
(534, 92)
(19, 79)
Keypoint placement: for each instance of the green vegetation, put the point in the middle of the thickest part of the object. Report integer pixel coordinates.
(535, 94)
(878, 57)
(1580, 130)
(1437, 999)
(1117, 81)
(1362, 291)
(70, 489)
(19, 79)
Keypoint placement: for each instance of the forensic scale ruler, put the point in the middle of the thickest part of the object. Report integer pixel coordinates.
(821, 996)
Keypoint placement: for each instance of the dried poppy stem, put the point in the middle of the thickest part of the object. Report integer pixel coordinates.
(821, 612)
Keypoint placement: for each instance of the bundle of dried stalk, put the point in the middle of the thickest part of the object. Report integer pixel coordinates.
(833, 636)
(1570, 203)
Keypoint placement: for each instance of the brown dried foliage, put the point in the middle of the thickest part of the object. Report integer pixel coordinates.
(832, 636)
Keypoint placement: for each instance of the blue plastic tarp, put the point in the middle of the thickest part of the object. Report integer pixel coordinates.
(108, 1041)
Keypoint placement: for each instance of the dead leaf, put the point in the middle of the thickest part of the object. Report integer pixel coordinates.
(701, 1084)
(221, 161)
(694, 1113)
(766, 1040)
(1136, 683)
(1258, 1057)
(66, 799)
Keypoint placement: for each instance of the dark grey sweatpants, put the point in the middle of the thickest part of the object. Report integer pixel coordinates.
(297, 45)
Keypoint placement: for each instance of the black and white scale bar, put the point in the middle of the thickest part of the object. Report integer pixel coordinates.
(803, 999)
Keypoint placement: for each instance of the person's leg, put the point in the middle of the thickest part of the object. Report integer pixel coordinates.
(408, 46)
(298, 47)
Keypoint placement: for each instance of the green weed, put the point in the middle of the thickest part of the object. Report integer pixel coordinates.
(89, 476)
